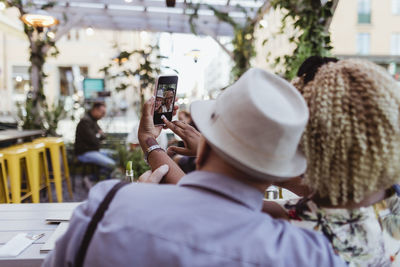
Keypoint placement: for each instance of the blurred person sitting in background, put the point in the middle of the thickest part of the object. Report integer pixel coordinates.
(88, 138)
(352, 146)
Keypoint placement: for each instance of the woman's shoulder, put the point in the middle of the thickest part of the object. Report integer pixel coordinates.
(363, 235)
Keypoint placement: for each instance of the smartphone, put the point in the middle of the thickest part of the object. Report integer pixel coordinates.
(165, 93)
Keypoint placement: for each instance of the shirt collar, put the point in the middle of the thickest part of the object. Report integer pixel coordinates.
(224, 185)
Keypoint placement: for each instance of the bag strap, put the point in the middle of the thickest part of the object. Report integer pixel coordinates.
(91, 228)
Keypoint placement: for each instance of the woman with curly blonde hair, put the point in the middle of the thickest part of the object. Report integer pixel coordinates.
(352, 146)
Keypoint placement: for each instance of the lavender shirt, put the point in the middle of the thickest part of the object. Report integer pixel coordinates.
(207, 220)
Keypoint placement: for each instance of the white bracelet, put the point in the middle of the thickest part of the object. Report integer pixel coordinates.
(149, 150)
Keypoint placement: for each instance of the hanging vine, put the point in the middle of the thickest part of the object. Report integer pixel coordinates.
(311, 21)
(243, 41)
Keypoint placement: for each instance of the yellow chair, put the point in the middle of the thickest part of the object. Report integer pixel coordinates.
(37, 164)
(56, 147)
(15, 156)
(4, 195)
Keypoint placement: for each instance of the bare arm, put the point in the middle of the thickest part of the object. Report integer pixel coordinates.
(147, 135)
(160, 157)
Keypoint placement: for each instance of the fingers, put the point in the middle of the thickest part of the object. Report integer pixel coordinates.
(172, 126)
(148, 107)
(144, 176)
(158, 174)
(180, 150)
(181, 124)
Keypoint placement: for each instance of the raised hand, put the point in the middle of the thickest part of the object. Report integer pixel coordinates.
(147, 129)
(189, 135)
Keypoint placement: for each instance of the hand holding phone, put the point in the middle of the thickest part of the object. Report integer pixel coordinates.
(165, 93)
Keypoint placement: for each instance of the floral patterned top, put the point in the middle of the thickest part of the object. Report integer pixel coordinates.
(367, 236)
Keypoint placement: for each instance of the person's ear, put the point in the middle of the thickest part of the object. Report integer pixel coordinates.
(203, 151)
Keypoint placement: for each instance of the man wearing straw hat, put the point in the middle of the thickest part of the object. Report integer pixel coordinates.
(212, 217)
(159, 101)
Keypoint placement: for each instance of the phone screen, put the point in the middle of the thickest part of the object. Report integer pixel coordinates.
(165, 98)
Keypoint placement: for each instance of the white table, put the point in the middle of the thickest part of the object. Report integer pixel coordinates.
(17, 218)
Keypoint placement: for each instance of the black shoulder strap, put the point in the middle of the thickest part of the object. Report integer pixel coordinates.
(80, 256)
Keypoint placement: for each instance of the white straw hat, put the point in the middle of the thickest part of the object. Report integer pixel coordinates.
(256, 125)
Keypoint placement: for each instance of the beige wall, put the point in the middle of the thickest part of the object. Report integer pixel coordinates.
(344, 27)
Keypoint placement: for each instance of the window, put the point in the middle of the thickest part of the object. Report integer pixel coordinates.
(395, 44)
(20, 79)
(364, 11)
(363, 43)
(396, 7)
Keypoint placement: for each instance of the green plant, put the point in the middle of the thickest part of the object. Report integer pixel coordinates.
(147, 70)
(50, 116)
(116, 142)
(139, 166)
(311, 37)
(243, 41)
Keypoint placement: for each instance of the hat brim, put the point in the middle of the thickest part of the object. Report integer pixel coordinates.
(241, 156)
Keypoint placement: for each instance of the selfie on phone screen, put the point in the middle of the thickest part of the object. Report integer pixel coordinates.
(165, 98)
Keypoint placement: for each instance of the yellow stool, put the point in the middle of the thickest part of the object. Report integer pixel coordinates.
(4, 197)
(13, 157)
(37, 164)
(56, 146)
(273, 192)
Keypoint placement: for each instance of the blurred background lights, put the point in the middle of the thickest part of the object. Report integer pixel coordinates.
(89, 31)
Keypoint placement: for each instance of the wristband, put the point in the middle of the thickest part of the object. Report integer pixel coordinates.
(149, 150)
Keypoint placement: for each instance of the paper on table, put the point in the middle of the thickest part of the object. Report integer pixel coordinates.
(51, 242)
(16, 245)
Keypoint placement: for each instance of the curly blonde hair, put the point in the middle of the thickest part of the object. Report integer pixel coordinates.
(352, 140)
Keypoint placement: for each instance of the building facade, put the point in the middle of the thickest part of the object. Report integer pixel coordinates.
(368, 29)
